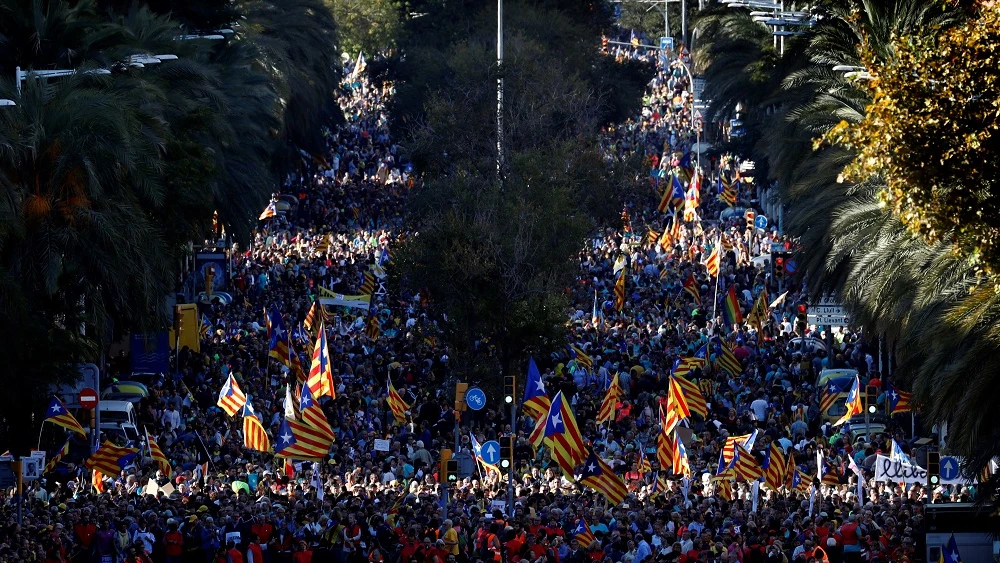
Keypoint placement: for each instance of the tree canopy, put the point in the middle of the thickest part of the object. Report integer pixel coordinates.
(106, 178)
(887, 183)
(497, 257)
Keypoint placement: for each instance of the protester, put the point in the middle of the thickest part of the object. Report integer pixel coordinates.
(224, 503)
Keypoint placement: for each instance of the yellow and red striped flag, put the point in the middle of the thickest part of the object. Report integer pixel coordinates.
(110, 459)
(320, 380)
(599, 476)
(397, 404)
(157, 454)
(776, 468)
(231, 398)
(607, 412)
(254, 435)
(563, 435)
(311, 413)
(63, 452)
(692, 396)
(59, 415)
(714, 261)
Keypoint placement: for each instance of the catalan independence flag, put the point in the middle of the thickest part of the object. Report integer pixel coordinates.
(691, 286)
(320, 381)
(583, 535)
(311, 413)
(110, 459)
(63, 452)
(620, 290)
(692, 395)
(853, 402)
(607, 411)
(899, 401)
(296, 440)
(731, 312)
(775, 467)
(277, 335)
(536, 401)
(563, 435)
(57, 414)
(599, 476)
(746, 465)
(581, 357)
(231, 398)
(681, 464)
(270, 211)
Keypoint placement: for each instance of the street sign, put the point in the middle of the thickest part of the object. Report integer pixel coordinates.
(760, 222)
(950, 468)
(475, 398)
(667, 43)
(88, 398)
(30, 470)
(828, 312)
(490, 453)
(791, 266)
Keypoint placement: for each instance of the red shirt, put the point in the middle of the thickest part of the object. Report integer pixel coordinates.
(235, 556)
(174, 542)
(849, 532)
(86, 533)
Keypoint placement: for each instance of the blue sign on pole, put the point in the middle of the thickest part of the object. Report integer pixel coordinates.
(760, 222)
(490, 453)
(475, 398)
(949, 468)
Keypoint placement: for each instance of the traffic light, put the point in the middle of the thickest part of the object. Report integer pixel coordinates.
(779, 265)
(460, 390)
(801, 318)
(871, 393)
(506, 452)
(451, 471)
(933, 468)
(508, 389)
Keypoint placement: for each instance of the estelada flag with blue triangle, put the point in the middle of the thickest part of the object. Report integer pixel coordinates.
(58, 414)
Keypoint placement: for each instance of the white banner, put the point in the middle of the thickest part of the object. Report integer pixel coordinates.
(355, 301)
(889, 471)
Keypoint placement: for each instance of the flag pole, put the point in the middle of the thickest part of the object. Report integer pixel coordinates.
(715, 301)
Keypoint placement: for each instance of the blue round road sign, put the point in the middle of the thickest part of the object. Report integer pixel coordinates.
(760, 222)
(475, 398)
(791, 266)
(949, 468)
(490, 452)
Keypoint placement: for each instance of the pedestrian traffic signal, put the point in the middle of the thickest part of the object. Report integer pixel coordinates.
(933, 468)
(871, 394)
(506, 452)
(451, 471)
(508, 389)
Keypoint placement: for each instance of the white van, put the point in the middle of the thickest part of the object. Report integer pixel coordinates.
(118, 420)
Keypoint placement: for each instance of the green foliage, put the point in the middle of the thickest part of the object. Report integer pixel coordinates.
(368, 26)
(920, 284)
(105, 179)
(498, 258)
(931, 132)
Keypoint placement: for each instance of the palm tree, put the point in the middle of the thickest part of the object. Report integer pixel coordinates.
(923, 298)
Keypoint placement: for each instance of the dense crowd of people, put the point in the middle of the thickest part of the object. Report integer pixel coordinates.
(224, 503)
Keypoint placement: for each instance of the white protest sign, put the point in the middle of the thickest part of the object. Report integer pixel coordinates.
(381, 445)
